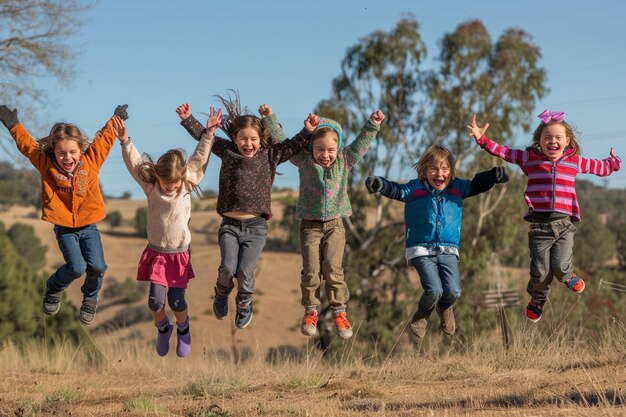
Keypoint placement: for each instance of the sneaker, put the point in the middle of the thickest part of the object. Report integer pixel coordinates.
(243, 316)
(419, 322)
(575, 283)
(448, 324)
(183, 346)
(87, 311)
(220, 306)
(344, 330)
(51, 303)
(534, 310)
(163, 339)
(309, 323)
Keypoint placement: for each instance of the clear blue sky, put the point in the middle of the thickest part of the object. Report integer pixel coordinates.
(155, 55)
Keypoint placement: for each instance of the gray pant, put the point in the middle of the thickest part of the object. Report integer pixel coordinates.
(551, 250)
(241, 243)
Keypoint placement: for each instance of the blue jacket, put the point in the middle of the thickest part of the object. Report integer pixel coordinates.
(433, 218)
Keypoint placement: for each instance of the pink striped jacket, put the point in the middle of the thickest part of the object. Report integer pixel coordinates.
(551, 184)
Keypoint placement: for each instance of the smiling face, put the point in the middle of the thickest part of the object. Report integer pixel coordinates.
(554, 141)
(438, 176)
(325, 149)
(248, 141)
(67, 154)
(169, 188)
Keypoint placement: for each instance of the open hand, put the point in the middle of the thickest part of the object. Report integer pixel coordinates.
(184, 111)
(476, 131)
(612, 153)
(377, 117)
(311, 122)
(214, 121)
(265, 110)
(119, 128)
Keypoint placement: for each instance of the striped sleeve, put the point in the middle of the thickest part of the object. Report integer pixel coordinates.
(599, 167)
(515, 156)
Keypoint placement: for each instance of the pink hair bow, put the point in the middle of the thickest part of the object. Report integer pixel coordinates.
(548, 115)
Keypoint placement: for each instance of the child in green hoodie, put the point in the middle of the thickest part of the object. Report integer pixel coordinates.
(323, 202)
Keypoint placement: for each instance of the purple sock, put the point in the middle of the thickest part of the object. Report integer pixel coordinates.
(163, 336)
(183, 347)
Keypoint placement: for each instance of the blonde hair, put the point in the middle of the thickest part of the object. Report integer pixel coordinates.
(234, 120)
(434, 156)
(169, 168)
(569, 132)
(61, 132)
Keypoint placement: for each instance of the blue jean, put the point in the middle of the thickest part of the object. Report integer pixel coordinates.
(82, 251)
(440, 279)
(241, 243)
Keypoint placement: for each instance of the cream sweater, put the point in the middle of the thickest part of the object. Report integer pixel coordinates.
(169, 215)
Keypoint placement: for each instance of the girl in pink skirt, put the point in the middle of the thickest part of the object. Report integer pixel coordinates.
(166, 261)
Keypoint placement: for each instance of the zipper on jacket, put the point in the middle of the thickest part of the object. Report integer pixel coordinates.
(553, 169)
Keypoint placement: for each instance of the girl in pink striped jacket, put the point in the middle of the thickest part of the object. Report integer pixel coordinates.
(551, 164)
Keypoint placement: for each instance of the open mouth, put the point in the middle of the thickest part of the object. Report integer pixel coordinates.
(439, 183)
(249, 152)
(68, 166)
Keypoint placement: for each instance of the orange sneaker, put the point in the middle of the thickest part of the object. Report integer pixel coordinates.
(344, 330)
(575, 283)
(534, 310)
(309, 323)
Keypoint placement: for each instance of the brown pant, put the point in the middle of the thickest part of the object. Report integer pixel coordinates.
(322, 245)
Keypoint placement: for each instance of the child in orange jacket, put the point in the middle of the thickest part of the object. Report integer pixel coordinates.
(71, 200)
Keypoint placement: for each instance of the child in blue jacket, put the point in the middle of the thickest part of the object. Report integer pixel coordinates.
(432, 215)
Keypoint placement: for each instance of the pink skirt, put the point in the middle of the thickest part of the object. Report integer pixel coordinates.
(167, 269)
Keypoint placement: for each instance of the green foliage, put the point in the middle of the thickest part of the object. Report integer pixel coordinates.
(19, 186)
(21, 289)
(114, 219)
(28, 245)
(127, 291)
(141, 221)
(594, 243)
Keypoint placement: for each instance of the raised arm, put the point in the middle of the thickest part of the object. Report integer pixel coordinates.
(271, 123)
(199, 159)
(195, 129)
(357, 149)
(102, 143)
(284, 151)
(600, 167)
(485, 180)
(514, 156)
(25, 143)
(132, 158)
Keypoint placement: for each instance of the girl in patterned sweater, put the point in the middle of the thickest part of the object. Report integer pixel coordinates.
(551, 163)
(166, 261)
(249, 161)
(322, 203)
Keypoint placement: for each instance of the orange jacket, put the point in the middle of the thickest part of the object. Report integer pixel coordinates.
(70, 201)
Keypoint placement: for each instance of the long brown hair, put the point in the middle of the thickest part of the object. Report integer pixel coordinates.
(61, 132)
(569, 132)
(238, 118)
(170, 167)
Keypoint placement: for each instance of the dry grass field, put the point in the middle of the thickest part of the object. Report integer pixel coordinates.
(121, 375)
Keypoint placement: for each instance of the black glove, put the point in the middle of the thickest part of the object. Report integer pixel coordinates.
(121, 111)
(500, 175)
(373, 184)
(8, 117)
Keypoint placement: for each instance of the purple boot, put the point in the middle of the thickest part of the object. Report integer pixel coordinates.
(163, 337)
(183, 347)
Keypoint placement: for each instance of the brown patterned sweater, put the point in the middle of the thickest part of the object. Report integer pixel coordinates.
(245, 184)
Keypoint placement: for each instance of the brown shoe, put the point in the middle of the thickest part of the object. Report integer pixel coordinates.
(419, 323)
(448, 324)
